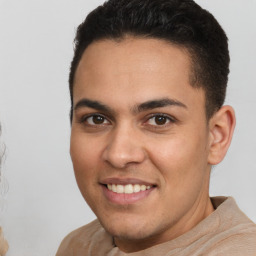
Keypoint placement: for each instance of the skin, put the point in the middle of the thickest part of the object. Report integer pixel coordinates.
(3, 244)
(129, 142)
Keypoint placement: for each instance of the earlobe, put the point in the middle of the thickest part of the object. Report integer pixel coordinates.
(221, 127)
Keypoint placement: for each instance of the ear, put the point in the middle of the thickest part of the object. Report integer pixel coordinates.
(221, 127)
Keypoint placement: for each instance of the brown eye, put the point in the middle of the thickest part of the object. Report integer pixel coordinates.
(159, 120)
(96, 120)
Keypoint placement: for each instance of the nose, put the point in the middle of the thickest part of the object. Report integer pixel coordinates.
(124, 147)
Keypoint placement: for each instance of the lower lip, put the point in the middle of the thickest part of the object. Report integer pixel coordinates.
(124, 199)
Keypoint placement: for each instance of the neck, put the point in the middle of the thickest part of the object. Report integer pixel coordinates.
(199, 212)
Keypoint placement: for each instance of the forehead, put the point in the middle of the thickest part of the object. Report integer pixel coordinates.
(135, 68)
(134, 55)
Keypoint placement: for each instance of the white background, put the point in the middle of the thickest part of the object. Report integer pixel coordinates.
(44, 203)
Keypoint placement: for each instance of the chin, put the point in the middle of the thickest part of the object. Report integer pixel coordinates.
(128, 229)
(129, 235)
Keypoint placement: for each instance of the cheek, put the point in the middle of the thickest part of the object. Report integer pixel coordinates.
(84, 152)
(85, 159)
(181, 160)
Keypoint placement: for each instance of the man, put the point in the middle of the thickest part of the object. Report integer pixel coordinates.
(147, 84)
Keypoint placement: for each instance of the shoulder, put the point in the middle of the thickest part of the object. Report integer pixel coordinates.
(235, 243)
(236, 234)
(81, 239)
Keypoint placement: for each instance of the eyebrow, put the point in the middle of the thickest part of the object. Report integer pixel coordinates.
(148, 105)
(158, 103)
(92, 104)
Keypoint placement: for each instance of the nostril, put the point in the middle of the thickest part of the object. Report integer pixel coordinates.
(120, 157)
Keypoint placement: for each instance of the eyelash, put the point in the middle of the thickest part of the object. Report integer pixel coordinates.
(170, 120)
(86, 117)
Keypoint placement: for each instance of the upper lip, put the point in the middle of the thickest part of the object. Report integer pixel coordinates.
(125, 181)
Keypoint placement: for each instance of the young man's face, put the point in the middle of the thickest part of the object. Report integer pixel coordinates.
(140, 128)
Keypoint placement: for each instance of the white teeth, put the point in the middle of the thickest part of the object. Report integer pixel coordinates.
(136, 188)
(127, 189)
(119, 189)
(143, 187)
(113, 188)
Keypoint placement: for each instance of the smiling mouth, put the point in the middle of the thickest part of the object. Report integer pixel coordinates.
(124, 191)
(127, 189)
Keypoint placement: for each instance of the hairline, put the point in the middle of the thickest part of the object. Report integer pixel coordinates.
(191, 53)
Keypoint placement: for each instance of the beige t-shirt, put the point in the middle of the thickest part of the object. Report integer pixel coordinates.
(227, 231)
